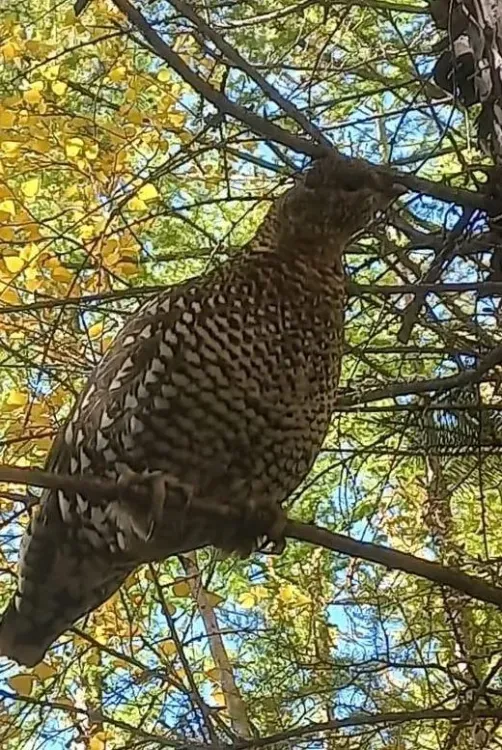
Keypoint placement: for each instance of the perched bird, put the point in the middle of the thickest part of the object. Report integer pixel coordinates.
(217, 391)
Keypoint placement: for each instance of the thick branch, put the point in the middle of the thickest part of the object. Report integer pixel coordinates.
(484, 288)
(395, 560)
(236, 707)
(361, 720)
(87, 484)
(475, 375)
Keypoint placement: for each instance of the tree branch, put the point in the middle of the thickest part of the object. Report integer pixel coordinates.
(270, 131)
(235, 58)
(395, 560)
(392, 390)
(235, 705)
(362, 720)
(91, 485)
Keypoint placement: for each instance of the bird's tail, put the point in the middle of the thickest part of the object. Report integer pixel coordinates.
(29, 626)
(61, 579)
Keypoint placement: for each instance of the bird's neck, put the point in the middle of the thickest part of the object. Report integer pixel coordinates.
(299, 243)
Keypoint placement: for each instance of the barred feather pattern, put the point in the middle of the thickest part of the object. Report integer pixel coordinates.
(222, 388)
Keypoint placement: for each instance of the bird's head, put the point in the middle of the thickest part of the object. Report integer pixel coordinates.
(332, 201)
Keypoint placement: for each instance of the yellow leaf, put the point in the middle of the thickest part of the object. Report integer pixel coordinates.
(10, 50)
(32, 96)
(7, 118)
(168, 648)
(73, 146)
(176, 119)
(70, 191)
(214, 674)
(163, 75)
(28, 253)
(246, 600)
(117, 74)
(96, 330)
(135, 116)
(33, 284)
(43, 671)
(10, 296)
(127, 269)
(6, 233)
(214, 599)
(91, 152)
(32, 231)
(16, 399)
(10, 147)
(110, 246)
(22, 684)
(171, 609)
(148, 192)
(287, 593)
(30, 187)
(59, 87)
(8, 207)
(13, 263)
(60, 273)
(97, 742)
(136, 204)
(181, 589)
(50, 72)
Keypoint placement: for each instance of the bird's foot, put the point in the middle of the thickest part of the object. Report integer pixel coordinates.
(268, 522)
(144, 498)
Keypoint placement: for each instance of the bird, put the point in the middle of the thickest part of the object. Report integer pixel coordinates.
(216, 396)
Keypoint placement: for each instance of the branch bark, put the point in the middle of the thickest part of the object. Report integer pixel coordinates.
(392, 559)
(236, 707)
(361, 720)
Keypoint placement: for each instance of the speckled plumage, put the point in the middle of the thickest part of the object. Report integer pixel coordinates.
(223, 387)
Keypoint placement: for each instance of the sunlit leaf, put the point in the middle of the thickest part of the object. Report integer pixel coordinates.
(31, 187)
(96, 330)
(13, 263)
(32, 96)
(118, 73)
(8, 207)
(44, 671)
(246, 600)
(59, 87)
(7, 118)
(16, 399)
(22, 684)
(10, 147)
(73, 146)
(181, 589)
(147, 192)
